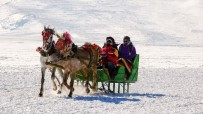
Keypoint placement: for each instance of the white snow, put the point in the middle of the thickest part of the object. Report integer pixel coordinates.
(168, 35)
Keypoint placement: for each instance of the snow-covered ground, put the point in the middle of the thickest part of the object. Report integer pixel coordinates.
(167, 34)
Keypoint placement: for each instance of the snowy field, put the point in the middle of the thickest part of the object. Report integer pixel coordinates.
(167, 34)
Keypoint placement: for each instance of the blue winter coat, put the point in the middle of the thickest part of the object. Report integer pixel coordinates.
(127, 51)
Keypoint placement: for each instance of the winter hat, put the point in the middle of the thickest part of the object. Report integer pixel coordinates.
(111, 38)
(126, 38)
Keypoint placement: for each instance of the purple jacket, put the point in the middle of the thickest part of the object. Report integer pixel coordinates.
(127, 51)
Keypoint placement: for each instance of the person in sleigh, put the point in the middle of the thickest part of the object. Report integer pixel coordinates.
(109, 55)
(127, 53)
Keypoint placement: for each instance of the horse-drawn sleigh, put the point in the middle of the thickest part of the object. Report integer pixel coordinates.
(81, 65)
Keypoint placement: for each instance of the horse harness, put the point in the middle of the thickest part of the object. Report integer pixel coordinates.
(49, 50)
(81, 59)
(91, 59)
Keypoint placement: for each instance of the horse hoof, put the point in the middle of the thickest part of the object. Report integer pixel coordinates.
(59, 92)
(70, 96)
(87, 90)
(40, 95)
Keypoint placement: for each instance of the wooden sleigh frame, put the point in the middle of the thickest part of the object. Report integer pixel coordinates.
(108, 85)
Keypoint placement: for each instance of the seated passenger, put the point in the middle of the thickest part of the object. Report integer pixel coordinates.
(110, 58)
(127, 53)
(114, 43)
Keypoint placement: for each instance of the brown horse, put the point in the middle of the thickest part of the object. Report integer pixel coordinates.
(84, 59)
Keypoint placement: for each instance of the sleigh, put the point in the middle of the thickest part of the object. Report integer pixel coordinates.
(119, 84)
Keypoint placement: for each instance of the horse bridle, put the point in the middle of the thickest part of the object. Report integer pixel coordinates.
(48, 43)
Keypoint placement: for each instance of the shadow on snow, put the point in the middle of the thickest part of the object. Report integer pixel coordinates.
(149, 95)
(118, 98)
(107, 99)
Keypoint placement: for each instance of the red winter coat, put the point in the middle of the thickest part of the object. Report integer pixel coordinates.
(111, 53)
